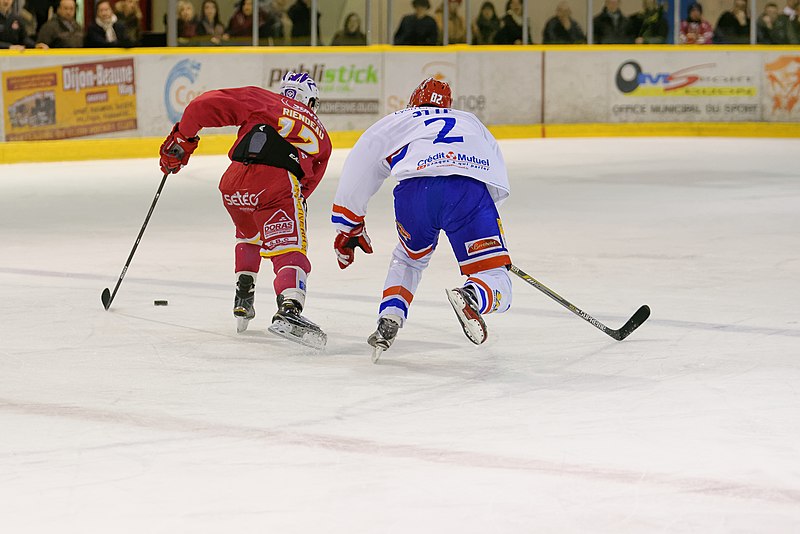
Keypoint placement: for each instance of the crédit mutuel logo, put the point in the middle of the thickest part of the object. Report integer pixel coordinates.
(453, 159)
(632, 80)
(179, 90)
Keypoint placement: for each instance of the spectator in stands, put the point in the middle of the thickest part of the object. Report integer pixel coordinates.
(562, 28)
(786, 29)
(486, 25)
(650, 26)
(300, 14)
(130, 15)
(209, 25)
(187, 22)
(418, 28)
(511, 28)
(766, 23)
(733, 26)
(350, 34)
(277, 27)
(12, 29)
(241, 22)
(456, 25)
(106, 31)
(62, 30)
(611, 26)
(28, 19)
(42, 10)
(695, 29)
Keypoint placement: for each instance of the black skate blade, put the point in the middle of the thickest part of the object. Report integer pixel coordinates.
(105, 298)
(298, 334)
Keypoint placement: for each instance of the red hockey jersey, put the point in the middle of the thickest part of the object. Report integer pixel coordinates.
(246, 107)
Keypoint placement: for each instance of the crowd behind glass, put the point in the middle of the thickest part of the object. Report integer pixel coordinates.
(121, 23)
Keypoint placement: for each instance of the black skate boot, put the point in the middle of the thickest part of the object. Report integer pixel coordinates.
(243, 308)
(288, 323)
(384, 336)
(465, 304)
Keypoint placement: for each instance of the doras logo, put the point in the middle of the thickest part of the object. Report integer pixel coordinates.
(278, 224)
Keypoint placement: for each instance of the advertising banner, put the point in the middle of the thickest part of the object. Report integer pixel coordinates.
(653, 87)
(474, 79)
(781, 98)
(67, 101)
(350, 85)
(169, 82)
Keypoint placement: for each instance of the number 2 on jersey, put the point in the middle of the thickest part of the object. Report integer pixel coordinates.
(449, 123)
(311, 142)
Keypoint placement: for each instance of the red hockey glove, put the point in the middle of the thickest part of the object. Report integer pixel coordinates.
(346, 242)
(175, 150)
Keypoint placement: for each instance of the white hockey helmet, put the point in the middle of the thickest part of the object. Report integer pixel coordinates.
(301, 87)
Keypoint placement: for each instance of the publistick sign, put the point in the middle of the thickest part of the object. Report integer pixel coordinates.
(68, 101)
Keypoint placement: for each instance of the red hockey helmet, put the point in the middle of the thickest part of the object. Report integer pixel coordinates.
(431, 92)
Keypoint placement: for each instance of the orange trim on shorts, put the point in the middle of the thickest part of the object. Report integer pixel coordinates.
(485, 265)
(417, 255)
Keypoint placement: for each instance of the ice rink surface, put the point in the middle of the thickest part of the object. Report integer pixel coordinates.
(148, 419)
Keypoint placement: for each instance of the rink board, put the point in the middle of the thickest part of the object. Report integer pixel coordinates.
(531, 91)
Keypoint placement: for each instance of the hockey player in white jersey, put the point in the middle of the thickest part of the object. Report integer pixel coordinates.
(451, 176)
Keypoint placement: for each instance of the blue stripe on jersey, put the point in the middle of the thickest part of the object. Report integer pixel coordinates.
(395, 158)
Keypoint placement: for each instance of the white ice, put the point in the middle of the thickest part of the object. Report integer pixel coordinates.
(163, 420)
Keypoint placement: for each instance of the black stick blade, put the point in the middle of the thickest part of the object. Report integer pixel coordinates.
(106, 298)
(633, 323)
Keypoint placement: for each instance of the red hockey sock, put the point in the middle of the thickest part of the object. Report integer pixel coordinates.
(248, 257)
(291, 270)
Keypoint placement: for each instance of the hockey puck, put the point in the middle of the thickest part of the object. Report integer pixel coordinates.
(160, 303)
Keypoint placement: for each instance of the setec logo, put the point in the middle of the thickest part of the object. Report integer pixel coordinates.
(178, 90)
(632, 80)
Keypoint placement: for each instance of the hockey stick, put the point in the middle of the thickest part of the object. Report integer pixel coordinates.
(107, 295)
(633, 323)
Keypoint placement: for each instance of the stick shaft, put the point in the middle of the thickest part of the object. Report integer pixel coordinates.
(106, 298)
(558, 298)
(624, 331)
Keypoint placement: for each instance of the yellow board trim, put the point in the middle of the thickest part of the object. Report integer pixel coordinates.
(214, 144)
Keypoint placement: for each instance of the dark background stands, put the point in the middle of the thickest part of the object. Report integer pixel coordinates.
(418, 28)
(350, 34)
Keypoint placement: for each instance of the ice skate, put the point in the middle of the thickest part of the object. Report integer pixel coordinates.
(383, 337)
(466, 307)
(243, 308)
(288, 323)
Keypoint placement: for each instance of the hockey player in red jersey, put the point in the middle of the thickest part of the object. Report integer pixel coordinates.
(451, 176)
(278, 159)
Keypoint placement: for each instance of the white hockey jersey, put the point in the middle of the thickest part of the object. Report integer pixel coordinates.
(412, 143)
